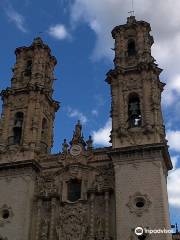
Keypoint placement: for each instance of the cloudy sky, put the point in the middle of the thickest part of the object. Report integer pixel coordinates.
(79, 34)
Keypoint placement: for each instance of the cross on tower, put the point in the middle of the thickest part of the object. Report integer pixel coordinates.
(132, 11)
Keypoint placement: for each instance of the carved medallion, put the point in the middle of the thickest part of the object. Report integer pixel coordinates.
(139, 203)
(75, 150)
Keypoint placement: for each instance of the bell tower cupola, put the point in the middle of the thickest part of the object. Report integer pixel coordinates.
(135, 86)
(28, 108)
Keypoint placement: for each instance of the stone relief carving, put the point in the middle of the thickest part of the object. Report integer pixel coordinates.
(105, 178)
(72, 222)
(46, 186)
(44, 229)
(100, 226)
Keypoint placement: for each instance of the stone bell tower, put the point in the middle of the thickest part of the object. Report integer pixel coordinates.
(28, 108)
(139, 148)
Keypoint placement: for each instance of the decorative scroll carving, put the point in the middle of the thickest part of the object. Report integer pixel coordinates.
(100, 228)
(44, 229)
(105, 178)
(73, 222)
(46, 187)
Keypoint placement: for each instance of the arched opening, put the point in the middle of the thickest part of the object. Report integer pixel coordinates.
(74, 190)
(5, 214)
(131, 48)
(17, 129)
(134, 111)
(28, 69)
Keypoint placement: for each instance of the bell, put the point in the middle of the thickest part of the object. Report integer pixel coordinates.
(18, 123)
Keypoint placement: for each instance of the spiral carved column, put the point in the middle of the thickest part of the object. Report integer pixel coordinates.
(92, 216)
(106, 198)
(52, 223)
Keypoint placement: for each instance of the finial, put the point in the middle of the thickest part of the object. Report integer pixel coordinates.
(89, 143)
(77, 134)
(38, 41)
(65, 146)
(177, 230)
(78, 129)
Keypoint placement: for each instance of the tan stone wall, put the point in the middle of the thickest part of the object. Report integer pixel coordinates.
(17, 191)
(141, 178)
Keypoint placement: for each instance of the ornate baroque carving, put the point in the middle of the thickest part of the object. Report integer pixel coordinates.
(72, 222)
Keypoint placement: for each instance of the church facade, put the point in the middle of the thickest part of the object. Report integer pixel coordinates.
(85, 192)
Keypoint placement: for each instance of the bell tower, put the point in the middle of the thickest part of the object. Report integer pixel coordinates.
(139, 148)
(28, 108)
(136, 88)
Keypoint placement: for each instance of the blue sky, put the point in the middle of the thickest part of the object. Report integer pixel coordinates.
(79, 34)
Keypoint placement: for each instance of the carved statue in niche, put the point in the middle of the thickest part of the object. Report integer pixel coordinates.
(100, 226)
(72, 223)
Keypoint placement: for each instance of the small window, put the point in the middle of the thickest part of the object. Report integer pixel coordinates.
(140, 202)
(28, 69)
(134, 112)
(131, 48)
(17, 135)
(5, 214)
(74, 190)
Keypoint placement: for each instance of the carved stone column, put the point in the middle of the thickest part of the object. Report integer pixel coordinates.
(106, 198)
(38, 219)
(92, 196)
(52, 224)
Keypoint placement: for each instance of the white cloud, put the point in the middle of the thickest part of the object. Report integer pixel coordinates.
(102, 16)
(74, 113)
(94, 112)
(59, 32)
(16, 18)
(173, 184)
(174, 160)
(174, 140)
(101, 136)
